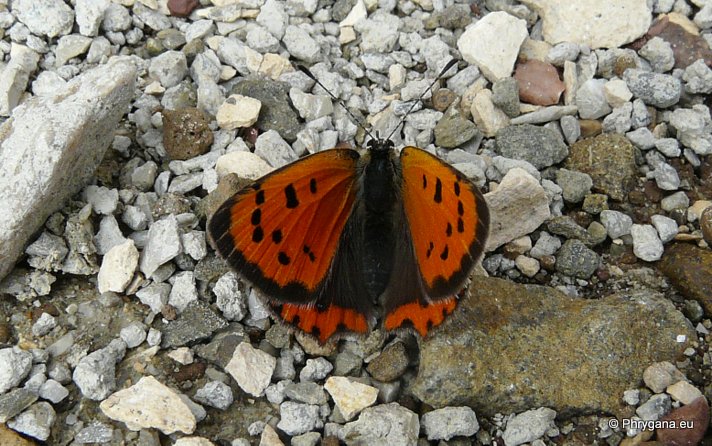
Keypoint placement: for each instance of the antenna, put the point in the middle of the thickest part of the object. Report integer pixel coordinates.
(442, 73)
(447, 67)
(306, 71)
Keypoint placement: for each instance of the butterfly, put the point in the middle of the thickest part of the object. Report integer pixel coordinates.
(340, 237)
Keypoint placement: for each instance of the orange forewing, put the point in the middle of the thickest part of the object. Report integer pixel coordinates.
(448, 221)
(323, 323)
(421, 317)
(282, 232)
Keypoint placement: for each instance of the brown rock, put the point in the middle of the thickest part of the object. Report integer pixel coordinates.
(390, 364)
(330, 441)
(190, 372)
(442, 99)
(652, 192)
(637, 198)
(182, 8)
(539, 82)
(706, 225)
(5, 333)
(47, 307)
(610, 161)
(186, 133)
(169, 312)
(511, 347)
(250, 135)
(590, 128)
(696, 415)
(689, 268)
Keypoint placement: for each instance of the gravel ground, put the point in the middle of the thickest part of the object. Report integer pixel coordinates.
(127, 122)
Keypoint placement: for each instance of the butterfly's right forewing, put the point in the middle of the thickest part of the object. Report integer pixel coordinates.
(285, 235)
(282, 232)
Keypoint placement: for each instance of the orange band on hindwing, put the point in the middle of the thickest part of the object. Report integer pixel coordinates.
(420, 317)
(322, 324)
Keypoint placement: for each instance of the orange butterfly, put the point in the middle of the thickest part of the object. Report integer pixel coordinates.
(339, 237)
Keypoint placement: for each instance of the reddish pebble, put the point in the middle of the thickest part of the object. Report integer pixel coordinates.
(686, 47)
(696, 415)
(250, 134)
(539, 83)
(182, 8)
(190, 372)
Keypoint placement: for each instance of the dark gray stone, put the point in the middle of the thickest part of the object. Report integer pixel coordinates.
(575, 259)
(540, 146)
(195, 323)
(276, 112)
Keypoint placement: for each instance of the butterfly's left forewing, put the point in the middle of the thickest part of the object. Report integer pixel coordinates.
(283, 232)
(447, 222)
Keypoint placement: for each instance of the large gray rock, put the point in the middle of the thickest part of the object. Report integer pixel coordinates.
(531, 346)
(51, 146)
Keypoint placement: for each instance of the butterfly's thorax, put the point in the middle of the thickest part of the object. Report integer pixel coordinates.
(380, 189)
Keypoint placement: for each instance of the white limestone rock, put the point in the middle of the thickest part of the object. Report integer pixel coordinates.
(149, 404)
(595, 23)
(493, 43)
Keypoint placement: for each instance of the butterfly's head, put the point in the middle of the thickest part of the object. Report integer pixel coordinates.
(380, 145)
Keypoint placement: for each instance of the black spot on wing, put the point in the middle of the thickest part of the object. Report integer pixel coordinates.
(445, 253)
(257, 234)
(260, 197)
(460, 208)
(438, 197)
(307, 250)
(256, 217)
(425, 182)
(448, 230)
(460, 225)
(457, 188)
(312, 185)
(283, 258)
(291, 195)
(277, 236)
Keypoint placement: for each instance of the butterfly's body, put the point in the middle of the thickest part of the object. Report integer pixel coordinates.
(340, 237)
(379, 218)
